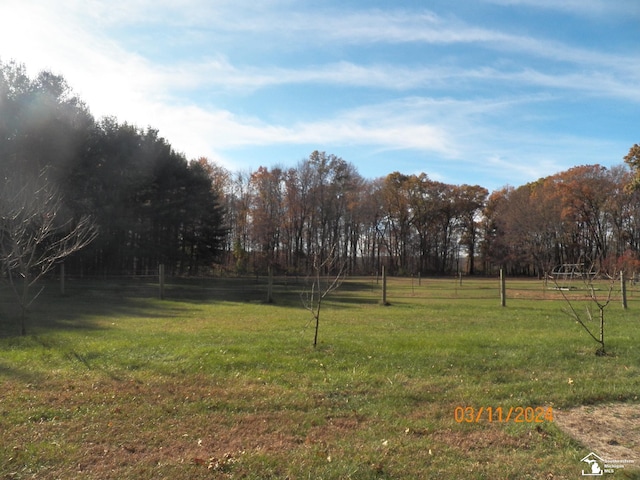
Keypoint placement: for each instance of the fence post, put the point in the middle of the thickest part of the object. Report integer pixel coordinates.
(503, 290)
(623, 290)
(384, 286)
(270, 286)
(161, 280)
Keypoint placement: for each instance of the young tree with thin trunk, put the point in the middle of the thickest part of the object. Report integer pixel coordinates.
(322, 285)
(596, 299)
(35, 234)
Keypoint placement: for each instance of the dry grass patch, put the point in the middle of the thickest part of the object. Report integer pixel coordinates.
(612, 430)
(170, 427)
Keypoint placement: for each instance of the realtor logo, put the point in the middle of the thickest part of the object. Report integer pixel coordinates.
(596, 465)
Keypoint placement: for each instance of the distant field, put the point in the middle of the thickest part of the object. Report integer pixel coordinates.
(212, 382)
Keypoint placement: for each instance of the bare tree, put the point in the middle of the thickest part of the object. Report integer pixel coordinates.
(312, 298)
(35, 234)
(599, 300)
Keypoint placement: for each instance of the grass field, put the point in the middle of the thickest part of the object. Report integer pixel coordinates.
(211, 382)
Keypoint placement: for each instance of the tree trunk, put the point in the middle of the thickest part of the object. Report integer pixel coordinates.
(317, 313)
(23, 305)
(601, 350)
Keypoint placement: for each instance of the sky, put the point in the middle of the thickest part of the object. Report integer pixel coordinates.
(481, 92)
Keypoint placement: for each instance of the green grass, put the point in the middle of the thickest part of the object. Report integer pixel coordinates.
(213, 383)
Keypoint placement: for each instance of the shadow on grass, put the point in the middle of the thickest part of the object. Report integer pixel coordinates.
(78, 308)
(20, 374)
(286, 291)
(86, 300)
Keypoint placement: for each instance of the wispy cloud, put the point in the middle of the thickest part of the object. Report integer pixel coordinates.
(223, 75)
(289, 25)
(437, 126)
(452, 109)
(318, 29)
(384, 125)
(70, 41)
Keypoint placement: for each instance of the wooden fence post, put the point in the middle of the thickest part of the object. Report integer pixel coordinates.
(270, 286)
(623, 290)
(503, 289)
(384, 286)
(161, 280)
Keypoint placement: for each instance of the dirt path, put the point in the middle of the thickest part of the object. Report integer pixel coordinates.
(612, 431)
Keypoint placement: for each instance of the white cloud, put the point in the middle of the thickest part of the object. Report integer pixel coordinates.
(75, 40)
(208, 132)
(97, 65)
(115, 81)
(319, 28)
(295, 28)
(442, 127)
(221, 74)
(106, 76)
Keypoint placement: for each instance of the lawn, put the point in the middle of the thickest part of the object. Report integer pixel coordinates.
(212, 382)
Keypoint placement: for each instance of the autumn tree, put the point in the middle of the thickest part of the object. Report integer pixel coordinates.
(371, 209)
(632, 159)
(470, 201)
(493, 247)
(420, 209)
(396, 224)
(355, 218)
(331, 177)
(298, 184)
(238, 220)
(443, 226)
(585, 192)
(579, 215)
(267, 212)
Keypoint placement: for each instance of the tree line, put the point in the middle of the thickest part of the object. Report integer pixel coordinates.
(151, 205)
(588, 215)
(411, 224)
(288, 218)
(147, 203)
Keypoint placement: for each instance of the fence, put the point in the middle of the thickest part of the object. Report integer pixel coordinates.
(287, 289)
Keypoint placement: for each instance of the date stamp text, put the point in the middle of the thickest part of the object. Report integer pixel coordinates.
(503, 414)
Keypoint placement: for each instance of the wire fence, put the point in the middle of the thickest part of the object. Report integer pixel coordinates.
(288, 288)
(488, 288)
(72, 301)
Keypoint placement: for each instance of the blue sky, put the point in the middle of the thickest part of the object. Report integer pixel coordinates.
(488, 92)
